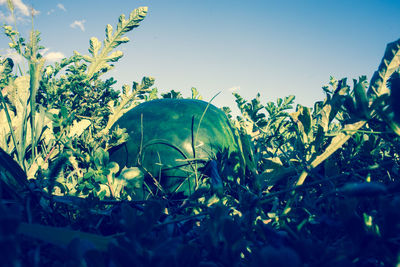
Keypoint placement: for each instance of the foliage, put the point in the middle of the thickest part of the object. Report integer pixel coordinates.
(320, 189)
(74, 109)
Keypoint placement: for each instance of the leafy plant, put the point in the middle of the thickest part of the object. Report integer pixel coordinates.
(68, 113)
(320, 186)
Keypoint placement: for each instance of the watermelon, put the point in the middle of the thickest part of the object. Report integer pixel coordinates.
(172, 139)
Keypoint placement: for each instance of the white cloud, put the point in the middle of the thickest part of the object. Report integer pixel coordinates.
(50, 11)
(21, 9)
(79, 24)
(19, 5)
(54, 56)
(18, 59)
(61, 6)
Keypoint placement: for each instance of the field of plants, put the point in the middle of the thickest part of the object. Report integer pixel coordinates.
(83, 182)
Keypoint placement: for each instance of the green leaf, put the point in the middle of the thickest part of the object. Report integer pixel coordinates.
(6, 66)
(172, 94)
(361, 99)
(78, 128)
(87, 58)
(336, 143)
(390, 62)
(147, 82)
(333, 104)
(101, 157)
(196, 94)
(121, 40)
(109, 30)
(114, 56)
(127, 100)
(302, 117)
(394, 85)
(100, 58)
(113, 167)
(95, 46)
(394, 116)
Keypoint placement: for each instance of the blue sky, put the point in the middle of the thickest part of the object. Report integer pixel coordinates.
(276, 48)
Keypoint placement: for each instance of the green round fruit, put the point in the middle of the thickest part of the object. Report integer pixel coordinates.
(172, 138)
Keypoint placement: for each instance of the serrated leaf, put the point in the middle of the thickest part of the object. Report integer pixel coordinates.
(87, 58)
(196, 94)
(336, 143)
(362, 103)
(390, 62)
(147, 82)
(114, 56)
(333, 104)
(121, 22)
(112, 41)
(288, 100)
(394, 85)
(95, 46)
(6, 66)
(138, 14)
(119, 41)
(109, 30)
(323, 119)
(125, 89)
(303, 120)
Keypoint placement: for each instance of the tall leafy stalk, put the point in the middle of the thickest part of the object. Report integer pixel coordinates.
(35, 70)
(30, 52)
(100, 58)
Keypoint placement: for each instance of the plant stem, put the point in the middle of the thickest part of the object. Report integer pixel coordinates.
(33, 89)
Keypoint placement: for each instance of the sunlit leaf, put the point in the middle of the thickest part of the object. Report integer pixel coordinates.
(390, 62)
(101, 57)
(115, 56)
(78, 127)
(95, 46)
